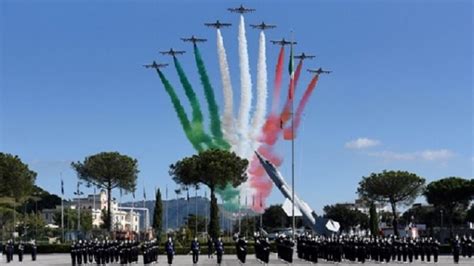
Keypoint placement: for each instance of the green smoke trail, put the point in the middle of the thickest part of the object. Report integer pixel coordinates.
(183, 118)
(229, 194)
(195, 131)
(197, 122)
(215, 124)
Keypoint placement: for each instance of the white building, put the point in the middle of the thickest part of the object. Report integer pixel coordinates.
(122, 218)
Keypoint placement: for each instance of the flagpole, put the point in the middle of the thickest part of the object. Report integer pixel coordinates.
(62, 206)
(196, 212)
(292, 143)
(166, 211)
(239, 216)
(261, 214)
(145, 224)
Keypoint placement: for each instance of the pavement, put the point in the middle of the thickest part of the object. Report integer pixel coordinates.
(65, 259)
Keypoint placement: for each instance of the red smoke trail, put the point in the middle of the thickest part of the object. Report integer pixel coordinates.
(278, 79)
(286, 113)
(270, 131)
(287, 133)
(258, 177)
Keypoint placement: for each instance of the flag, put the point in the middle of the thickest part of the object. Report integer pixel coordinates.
(144, 193)
(121, 192)
(261, 201)
(62, 187)
(291, 70)
(133, 194)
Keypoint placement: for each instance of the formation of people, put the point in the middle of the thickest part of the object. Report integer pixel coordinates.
(118, 252)
(308, 247)
(9, 250)
(376, 249)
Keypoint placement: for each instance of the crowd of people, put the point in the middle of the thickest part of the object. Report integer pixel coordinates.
(311, 248)
(376, 249)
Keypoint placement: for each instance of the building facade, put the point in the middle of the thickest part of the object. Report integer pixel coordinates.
(122, 219)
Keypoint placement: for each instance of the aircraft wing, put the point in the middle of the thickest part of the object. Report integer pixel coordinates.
(287, 208)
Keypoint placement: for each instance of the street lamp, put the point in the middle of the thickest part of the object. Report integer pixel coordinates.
(78, 193)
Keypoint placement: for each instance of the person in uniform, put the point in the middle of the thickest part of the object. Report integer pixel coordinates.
(86, 251)
(219, 247)
(72, 251)
(21, 250)
(288, 245)
(210, 247)
(428, 249)
(241, 248)
(464, 246)
(435, 249)
(456, 248)
(469, 246)
(169, 248)
(195, 249)
(265, 251)
(410, 250)
(34, 250)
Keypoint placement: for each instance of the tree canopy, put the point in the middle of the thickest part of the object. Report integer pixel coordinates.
(451, 194)
(215, 169)
(108, 170)
(394, 187)
(16, 179)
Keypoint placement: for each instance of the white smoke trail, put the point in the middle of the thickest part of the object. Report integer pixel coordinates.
(245, 91)
(261, 105)
(228, 116)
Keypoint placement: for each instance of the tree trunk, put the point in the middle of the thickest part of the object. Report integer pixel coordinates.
(395, 221)
(109, 211)
(214, 229)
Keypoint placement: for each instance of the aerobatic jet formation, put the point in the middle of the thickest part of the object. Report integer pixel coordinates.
(155, 65)
(172, 52)
(262, 26)
(218, 24)
(303, 56)
(193, 39)
(241, 9)
(283, 42)
(319, 71)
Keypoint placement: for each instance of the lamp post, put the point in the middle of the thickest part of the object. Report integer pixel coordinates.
(78, 193)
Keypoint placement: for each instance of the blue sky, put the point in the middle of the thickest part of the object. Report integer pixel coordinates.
(400, 96)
